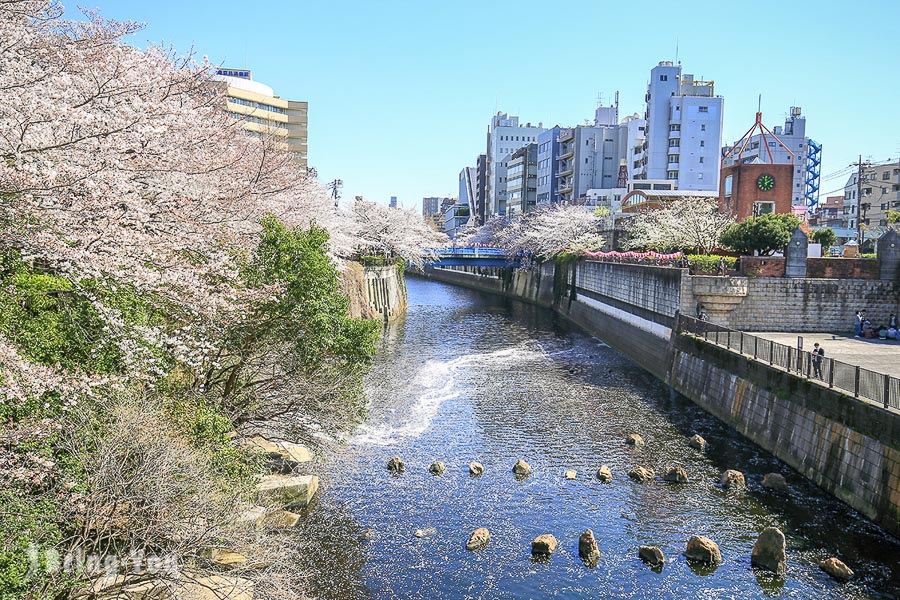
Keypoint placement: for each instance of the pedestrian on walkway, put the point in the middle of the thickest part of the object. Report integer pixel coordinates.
(892, 323)
(722, 266)
(858, 320)
(818, 354)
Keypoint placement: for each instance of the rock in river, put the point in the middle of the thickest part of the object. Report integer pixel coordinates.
(732, 479)
(395, 465)
(703, 549)
(476, 469)
(437, 468)
(633, 439)
(521, 468)
(604, 474)
(652, 555)
(641, 474)
(837, 569)
(675, 475)
(479, 539)
(587, 547)
(774, 481)
(697, 442)
(544, 544)
(768, 551)
(571, 474)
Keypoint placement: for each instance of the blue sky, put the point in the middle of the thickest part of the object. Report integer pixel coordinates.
(401, 93)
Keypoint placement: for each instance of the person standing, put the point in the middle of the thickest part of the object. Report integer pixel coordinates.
(893, 321)
(818, 354)
(858, 321)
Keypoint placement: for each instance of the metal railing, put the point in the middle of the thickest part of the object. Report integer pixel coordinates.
(852, 379)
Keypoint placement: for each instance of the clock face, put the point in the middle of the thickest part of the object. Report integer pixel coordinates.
(765, 182)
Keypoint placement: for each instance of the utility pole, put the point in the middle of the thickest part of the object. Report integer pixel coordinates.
(859, 174)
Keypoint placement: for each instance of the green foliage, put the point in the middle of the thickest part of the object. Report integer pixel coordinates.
(50, 322)
(29, 528)
(709, 263)
(868, 255)
(825, 236)
(766, 234)
(311, 315)
(891, 216)
(202, 424)
(601, 211)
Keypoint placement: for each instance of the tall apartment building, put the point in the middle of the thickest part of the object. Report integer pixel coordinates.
(480, 189)
(867, 201)
(264, 113)
(521, 183)
(683, 130)
(547, 163)
(435, 205)
(505, 136)
(468, 190)
(795, 148)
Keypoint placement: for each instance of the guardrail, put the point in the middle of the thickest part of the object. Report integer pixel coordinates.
(852, 379)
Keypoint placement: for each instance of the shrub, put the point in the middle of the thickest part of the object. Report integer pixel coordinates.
(765, 234)
(709, 263)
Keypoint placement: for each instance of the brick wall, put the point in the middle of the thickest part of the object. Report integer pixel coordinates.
(762, 266)
(842, 268)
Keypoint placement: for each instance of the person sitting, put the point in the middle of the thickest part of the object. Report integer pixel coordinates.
(882, 332)
(892, 333)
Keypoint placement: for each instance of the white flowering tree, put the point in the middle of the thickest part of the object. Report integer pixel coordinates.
(393, 233)
(542, 234)
(689, 223)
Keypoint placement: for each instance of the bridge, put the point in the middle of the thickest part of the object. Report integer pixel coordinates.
(473, 257)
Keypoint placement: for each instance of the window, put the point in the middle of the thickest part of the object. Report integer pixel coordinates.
(672, 175)
(702, 143)
(703, 127)
(885, 176)
(663, 77)
(763, 208)
(673, 127)
(703, 109)
(674, 143)
(701, 160)
(729, 182)
(673, 158)
(771, 144)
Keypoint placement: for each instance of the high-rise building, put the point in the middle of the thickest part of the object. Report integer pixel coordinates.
(264, 113)
(548, 162)
(521, 183)
(480, 206)
(683, 130)
(505, 136)
(468, 185)
(393, 202)
(795, 148)
(867, 200)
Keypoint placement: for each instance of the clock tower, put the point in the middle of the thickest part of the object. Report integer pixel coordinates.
(756, 186)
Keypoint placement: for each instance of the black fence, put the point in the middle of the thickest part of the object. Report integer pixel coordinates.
(853, 379)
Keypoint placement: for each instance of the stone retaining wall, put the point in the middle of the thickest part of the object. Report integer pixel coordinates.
(846, 446)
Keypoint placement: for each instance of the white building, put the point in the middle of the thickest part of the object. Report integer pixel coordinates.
(801, 151)
(505, 136)
(683, 130)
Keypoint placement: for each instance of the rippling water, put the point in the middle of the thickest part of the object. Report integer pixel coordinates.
(471, 377)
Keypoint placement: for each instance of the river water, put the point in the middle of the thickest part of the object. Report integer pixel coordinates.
(468, 376)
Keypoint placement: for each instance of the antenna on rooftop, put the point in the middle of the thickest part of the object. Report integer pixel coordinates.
(676, 49)
(759, 104)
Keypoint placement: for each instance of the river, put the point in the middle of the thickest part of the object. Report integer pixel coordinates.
(468, 376)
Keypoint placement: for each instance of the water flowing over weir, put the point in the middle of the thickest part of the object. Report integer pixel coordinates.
(467, 376)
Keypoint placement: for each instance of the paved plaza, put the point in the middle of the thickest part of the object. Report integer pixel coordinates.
(882, 356)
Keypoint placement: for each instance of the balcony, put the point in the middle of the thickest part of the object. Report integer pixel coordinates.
(567, 172)
(568, 154)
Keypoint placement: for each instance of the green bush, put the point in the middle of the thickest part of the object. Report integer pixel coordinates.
(868, 255)
(709, 263)
(765, 234)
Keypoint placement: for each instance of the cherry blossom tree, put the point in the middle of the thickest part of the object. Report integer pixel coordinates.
(689, 223)
(394, 232)
(542, 234)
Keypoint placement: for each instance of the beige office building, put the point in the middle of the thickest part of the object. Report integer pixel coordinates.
(263, 112)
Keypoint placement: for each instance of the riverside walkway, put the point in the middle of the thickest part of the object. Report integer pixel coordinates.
(882, 356)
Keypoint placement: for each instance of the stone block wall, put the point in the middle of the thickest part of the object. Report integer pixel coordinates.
(773, 304)
(762, 266)
(846, 446)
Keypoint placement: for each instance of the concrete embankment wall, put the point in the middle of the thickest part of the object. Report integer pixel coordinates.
(846, 446)
(374, 292)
